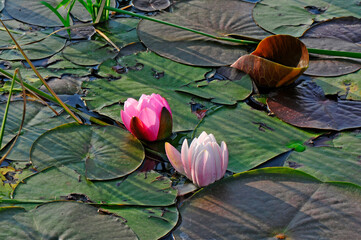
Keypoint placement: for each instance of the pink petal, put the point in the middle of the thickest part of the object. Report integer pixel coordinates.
(224, 152)
(150, 122)
(186, 160)
(130, 107)
(174, 158)
(202, 137)
(126, 119)
(217, 160)
(203, 169)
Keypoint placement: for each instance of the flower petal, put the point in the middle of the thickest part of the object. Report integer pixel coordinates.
(174, 158)
(138, 129)
(130, 107)
(217, 161)
(224, 152)
(186, 160)
(203, 169)
(150, 123)
(165, 124)
(126, 119)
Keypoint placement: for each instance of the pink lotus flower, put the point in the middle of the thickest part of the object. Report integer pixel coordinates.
(148, 119)
(204, 162)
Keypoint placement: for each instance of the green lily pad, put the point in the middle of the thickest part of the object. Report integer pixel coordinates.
(148, 222)
(88, 53)
(33, 12)
(146, 73)
(229, 18)
(338, 163)
(272, 203)
(38, 119)
(347, 86)
(57, 183)
(62, 220)
(294, 17)
(121, 31)
(252, 136)
(80, 13)
(105, 152)
(233, 91)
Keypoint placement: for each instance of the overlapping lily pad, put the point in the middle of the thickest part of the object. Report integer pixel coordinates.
(295, 17)
(151, 5)
(106, 152)
(82, 14)
(252, 136)
(80, 54)
(148, 222)
(299, 206)
(59, 183)
(145, 73)
(347, 87)
(306, 106)
(38, 119)
(228, 18)
(62, 220)
(233, 91)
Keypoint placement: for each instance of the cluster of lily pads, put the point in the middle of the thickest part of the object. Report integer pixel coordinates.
(291, 120)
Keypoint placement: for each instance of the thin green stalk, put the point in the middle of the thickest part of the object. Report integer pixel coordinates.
(3, 124)
(41, 78)
(311, 50)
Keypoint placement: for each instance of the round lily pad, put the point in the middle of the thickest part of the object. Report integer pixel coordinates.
(294, 17)
(33, 12)
(62, 220)
(272, 203)
(106, 152)
(306, 106)
(228, 18)
(151, 5)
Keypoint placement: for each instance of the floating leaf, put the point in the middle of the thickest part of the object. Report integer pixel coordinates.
(252, 136)
(62, 220)
(339, 34)
(144, 73)
(82, 14)
(38, 119)
(146, 222)
(121, 31)
(58, 183)
(278, 60)
(33, 12)
(272, 203)
(228, 18)
(106, 152)
(233, 90)
(151, 5)
(79, 53)
(346, 87)
(293, 17)
(306, 106)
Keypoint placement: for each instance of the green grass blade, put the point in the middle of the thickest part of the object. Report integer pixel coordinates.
(63, 3)
(3, 124)
(64, 21)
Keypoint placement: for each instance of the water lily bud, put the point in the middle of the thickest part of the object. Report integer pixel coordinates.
(148, 119)
(203, 162)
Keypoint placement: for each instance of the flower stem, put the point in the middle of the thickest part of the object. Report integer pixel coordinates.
(310, 50)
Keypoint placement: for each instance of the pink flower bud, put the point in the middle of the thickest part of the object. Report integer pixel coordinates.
(148, 119)
(203, 162)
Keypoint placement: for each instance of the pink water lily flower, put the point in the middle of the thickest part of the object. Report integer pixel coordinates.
(148, 119)
(204, 162)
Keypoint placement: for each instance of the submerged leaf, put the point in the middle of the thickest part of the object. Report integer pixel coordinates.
(306, 106)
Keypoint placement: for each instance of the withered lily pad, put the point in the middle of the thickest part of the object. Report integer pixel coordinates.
(62, 220)
(272, 203)
(294, 17)
(306, 106)
(277, 61)
(221, 91)
(106, 152)
(340, 34)
(151, 5)
(228, 18)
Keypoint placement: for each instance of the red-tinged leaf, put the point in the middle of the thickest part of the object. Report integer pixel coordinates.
(165, 125)
(278, 61)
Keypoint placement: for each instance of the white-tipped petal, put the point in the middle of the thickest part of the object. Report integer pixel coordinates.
(174, 158)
